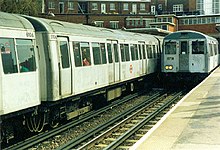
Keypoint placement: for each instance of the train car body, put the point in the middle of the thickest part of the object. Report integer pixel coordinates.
(189, 52)
(64, 46)
(19, 75)
(52, 70)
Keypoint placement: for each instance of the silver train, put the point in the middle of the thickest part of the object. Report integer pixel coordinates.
(52, 70)
(189, 52)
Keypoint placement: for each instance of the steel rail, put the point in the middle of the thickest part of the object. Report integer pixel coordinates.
(46, 135)
(135, 128)
(75, 142)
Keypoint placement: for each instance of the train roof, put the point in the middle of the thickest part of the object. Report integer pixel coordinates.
(55, 26)
(183, 34)
(14, 21)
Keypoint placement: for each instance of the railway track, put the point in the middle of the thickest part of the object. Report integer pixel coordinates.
(109, 135)
(124, 130)
(40, 138)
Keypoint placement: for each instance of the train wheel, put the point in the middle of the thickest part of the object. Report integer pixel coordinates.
(54, 123)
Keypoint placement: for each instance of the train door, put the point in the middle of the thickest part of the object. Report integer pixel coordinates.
(142, 64)
(184, 56)
(114, 67)
(116, 61)
(65, 72)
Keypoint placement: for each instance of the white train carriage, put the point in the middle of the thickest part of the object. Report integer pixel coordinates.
(189, 52)
(19, 81)
(65, 69)
(75, 59)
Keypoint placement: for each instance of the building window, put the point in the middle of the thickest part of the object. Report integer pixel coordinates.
(94, 6)
(153, 9)
(178, 8)
(114, 24)
(164, 27)
(125, 6)
(61, 7)
(112, 6)
(70, 6)
(170, 19)
(200, 6)
(99, 23)
(51, 5)
(142, 6)
(127, 22)
(216, 6)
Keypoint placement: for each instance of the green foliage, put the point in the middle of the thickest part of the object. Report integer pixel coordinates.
(27, 7)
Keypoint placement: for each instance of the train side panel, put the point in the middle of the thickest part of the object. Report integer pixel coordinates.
(19, 74)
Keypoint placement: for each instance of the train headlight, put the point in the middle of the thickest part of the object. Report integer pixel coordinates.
(169, 67)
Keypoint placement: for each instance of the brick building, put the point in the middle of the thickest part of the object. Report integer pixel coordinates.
(170, 15)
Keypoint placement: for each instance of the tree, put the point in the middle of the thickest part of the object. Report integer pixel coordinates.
(27, 7)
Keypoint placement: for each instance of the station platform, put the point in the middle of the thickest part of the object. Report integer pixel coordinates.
(193, 124)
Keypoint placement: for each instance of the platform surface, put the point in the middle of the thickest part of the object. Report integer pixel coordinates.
(193, 124)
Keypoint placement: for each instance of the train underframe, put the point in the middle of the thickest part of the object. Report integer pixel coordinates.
(51, 114)
(180, 80)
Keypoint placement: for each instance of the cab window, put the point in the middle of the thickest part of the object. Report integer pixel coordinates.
(170, 48)
(8, 54)
(198, 47)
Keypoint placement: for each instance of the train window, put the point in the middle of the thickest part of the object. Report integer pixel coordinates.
(127, 55)
(149, 51)
(116, 52)
(139, 48)
(26, 57)
(184, 47)
(8, 54)
(109, 53)
(134, 52)
(210, 49)
(215, 49)
(85, 50)
(77, 54)
(123, 52)
(198, 47)
(154, 51)
(103, 52)
(64, 54)
(96, 53)
(158, 51)
(144, 52)
(170, 48)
